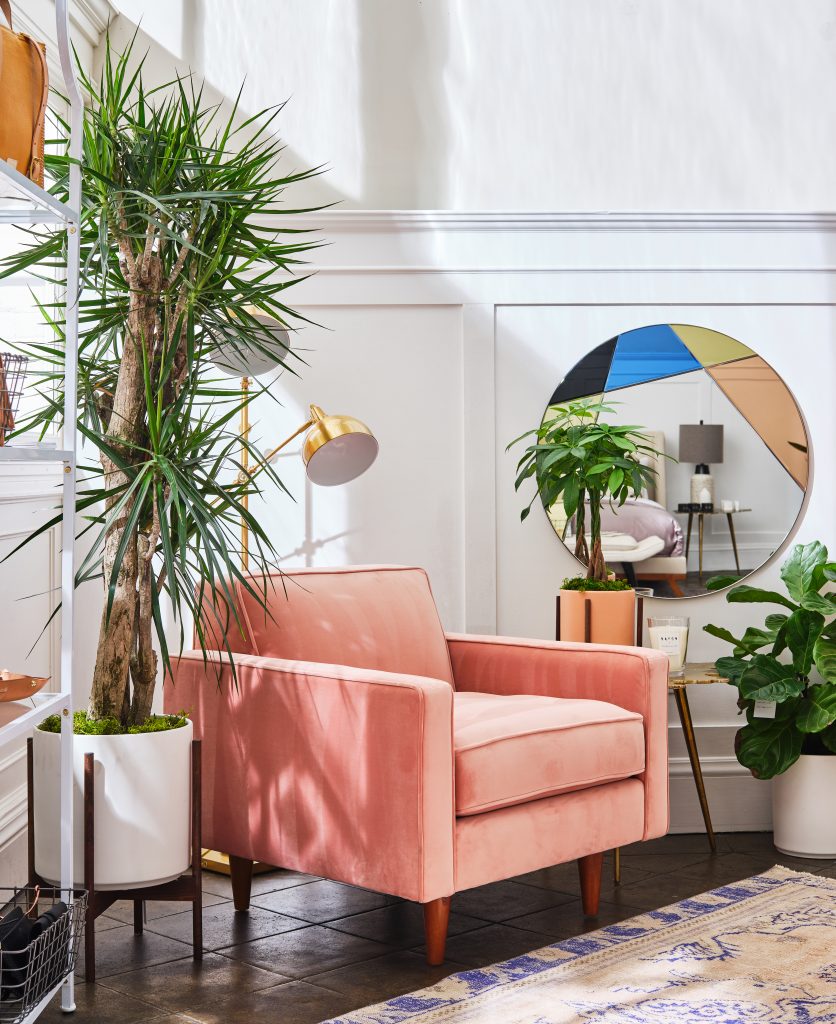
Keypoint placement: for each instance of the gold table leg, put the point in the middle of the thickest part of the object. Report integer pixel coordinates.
(730, 518)
(684, 710)
(616, 865)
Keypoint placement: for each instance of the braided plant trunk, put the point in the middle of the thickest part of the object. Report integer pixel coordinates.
(596, 566)
(126, 664)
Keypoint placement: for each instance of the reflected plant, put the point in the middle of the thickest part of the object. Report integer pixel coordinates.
(582, 462)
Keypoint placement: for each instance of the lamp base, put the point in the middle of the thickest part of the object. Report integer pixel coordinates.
(211, 860)
(702, 489)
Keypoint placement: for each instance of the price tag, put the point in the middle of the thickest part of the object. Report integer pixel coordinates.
(764, 709)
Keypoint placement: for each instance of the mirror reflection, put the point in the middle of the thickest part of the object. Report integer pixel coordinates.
(737, 469)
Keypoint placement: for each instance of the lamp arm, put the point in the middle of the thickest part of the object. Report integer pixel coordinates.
(244, 476)
(274, 451)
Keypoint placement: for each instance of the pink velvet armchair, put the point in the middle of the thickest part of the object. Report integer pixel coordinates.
(364, 745)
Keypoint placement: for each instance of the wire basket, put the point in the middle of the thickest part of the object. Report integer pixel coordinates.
(12, 373)
(29, 973)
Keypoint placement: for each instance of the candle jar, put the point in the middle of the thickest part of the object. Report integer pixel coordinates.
(671, 636)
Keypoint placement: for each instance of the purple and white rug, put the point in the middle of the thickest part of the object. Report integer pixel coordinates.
(759, 951)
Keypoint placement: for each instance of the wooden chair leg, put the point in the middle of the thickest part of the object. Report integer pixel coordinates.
(436, 919)
(589, 869)
(241, 874)
(138, 917)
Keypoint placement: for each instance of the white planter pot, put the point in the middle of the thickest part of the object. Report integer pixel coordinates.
(804, 807)
(142, 787)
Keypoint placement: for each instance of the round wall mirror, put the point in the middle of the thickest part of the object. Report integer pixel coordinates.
(731, 479)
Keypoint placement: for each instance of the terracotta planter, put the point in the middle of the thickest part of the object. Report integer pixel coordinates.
(613, 616)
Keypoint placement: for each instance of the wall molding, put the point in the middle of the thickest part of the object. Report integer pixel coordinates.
(520, 220)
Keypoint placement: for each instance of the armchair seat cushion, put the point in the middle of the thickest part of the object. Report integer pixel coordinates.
(512, 749)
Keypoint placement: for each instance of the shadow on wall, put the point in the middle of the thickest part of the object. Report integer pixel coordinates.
(405, 128)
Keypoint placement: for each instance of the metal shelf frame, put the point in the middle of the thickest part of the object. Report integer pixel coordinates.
(26, 203)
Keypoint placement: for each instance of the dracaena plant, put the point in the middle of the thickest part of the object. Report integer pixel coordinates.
(184, 241)
(789, 662)
(582, 461)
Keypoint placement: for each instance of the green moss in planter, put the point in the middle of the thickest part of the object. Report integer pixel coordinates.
(582, 583)
(84, 726)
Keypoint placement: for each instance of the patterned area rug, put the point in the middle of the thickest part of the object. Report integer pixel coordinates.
(760, 951)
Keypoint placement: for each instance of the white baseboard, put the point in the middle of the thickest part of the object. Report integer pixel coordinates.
(737, 801)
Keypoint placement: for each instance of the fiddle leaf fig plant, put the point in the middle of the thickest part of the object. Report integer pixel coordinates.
(789, 663)
(582, 461)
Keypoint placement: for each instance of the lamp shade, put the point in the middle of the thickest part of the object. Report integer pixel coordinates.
(337, 449)
(701, 443)
(237, 359)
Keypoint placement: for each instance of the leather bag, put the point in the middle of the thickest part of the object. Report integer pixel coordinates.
(24, 86)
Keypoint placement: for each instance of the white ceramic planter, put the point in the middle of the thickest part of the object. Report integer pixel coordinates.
(142, 804)
(804, 807)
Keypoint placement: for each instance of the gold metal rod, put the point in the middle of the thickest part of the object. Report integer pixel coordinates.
(286, 442)
(684, 710)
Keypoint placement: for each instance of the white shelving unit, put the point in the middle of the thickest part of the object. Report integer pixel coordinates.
(23, 202)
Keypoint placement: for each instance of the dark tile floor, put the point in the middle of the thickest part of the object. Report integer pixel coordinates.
(311, 949)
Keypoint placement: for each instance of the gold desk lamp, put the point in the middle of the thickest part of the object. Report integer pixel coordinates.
(336, 450)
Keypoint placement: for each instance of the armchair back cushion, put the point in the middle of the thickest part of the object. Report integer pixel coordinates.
(375, 617)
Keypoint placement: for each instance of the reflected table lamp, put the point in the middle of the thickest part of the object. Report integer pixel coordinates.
(702, 444)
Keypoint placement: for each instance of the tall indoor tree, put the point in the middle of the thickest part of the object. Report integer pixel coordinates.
(184, 243)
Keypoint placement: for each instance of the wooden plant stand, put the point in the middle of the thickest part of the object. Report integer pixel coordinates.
(187, 888)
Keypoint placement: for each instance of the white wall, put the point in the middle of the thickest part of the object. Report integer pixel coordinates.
(534, 104)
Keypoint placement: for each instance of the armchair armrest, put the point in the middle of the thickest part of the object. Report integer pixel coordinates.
(634, 678)
(332, 770)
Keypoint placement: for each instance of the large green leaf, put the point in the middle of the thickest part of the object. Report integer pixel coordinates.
(767, 679)
(775, 620)
(802, 630)
(824, 573)
(824, 656)
(744, 594)
(768, 746)
(731, 668)
(818, 708)
(720, 582)
(824, 603)
(722, 634)
(755, 638)
(797, 571)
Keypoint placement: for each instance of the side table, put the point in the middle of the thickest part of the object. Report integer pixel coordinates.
(695, 674)
(700, 524)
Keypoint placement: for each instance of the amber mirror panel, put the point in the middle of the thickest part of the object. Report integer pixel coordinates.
(665, 377)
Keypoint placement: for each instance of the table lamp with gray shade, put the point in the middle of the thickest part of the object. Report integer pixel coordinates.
(702, 444)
